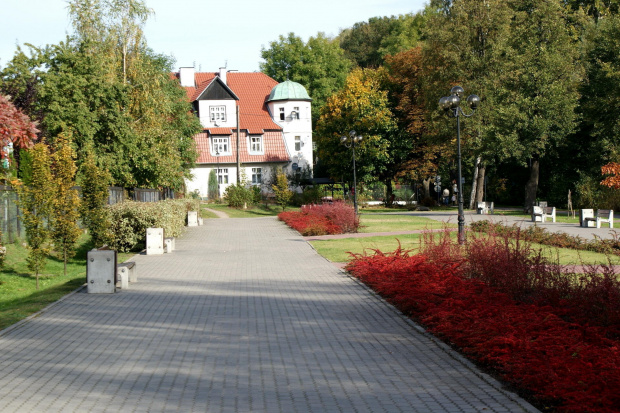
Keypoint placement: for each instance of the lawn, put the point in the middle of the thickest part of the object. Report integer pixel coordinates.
(252, 212)
(371, 223)
(18, 296)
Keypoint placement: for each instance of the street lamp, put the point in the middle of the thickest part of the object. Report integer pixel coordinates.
(349, 142)
(451, 106)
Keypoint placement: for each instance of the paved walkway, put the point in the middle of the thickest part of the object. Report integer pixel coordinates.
(470, 216)
(243, 317)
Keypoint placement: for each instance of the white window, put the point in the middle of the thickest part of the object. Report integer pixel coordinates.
(298, 143)
(257, 176)
(221, 146)
(256, 144)
(282, 116)
(295, 114)
(222, 176)
(217, 113)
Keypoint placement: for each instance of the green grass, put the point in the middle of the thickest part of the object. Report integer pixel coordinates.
(253, 212)
(18, 295)
(389, 223)
(337, 250)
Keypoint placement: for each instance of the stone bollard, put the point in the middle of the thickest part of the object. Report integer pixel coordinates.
(101, 271)
(192, 219)
(154, 241)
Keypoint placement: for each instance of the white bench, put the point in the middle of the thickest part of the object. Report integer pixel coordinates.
(126, 273)
(540, 214)
(587, 218)
(485, 208)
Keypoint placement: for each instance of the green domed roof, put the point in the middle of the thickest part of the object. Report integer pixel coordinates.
(288, 90)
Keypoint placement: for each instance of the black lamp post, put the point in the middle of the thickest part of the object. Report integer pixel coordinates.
(217, 155)
(452, 107)
(349, 142)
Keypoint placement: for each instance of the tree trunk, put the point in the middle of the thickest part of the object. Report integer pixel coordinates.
(426, 183)
(472, 198)
(532, 184)
(389, 192)
(480, 185)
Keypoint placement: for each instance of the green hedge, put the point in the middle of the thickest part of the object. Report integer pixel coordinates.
(129, 221)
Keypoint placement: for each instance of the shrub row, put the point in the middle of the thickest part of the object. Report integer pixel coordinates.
(564, 365)
(129, 221)
(554, 239)
(322, 219)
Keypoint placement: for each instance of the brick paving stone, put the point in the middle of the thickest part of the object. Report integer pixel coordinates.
(244, 316)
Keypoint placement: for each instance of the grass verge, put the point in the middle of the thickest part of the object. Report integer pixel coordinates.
(18, 296)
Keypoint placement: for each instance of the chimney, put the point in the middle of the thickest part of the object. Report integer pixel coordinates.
(222, 74)
(186, 76)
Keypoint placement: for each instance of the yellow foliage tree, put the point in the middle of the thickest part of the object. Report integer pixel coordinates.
(66, 203)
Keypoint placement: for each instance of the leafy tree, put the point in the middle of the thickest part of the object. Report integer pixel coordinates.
(363, 106)
(94, 182)
(66, 202)
(521, 57)
(319, 65)
(282, 193)
(36, 201)
(600, 102)
(367, 43)
(114, 95)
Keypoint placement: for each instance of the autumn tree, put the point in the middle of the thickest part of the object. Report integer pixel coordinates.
(283, 194)
(363, 106)
(66, 202)
(15, 126)
(36, 199)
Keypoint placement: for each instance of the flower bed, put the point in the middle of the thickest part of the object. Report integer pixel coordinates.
(559, 359)
(323, 219)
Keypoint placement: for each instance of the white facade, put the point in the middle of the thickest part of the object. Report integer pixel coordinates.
(295, 118)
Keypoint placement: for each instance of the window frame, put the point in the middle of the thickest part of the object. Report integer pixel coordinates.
(222, 143)
(260, 144)
(257, 172)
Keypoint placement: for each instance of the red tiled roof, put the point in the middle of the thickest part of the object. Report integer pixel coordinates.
(275, 150)
(252, 89)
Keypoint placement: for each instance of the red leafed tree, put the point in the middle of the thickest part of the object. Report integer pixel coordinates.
(612, 169)
(15, 126)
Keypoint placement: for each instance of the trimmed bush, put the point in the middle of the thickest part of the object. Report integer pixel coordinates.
(129, 221)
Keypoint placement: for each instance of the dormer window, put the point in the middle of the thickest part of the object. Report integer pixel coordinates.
(256, 144)
(217, 113)
(221, 146)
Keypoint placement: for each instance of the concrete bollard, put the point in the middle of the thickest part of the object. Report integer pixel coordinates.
(101, 271)
(154, 241)
(192, 219)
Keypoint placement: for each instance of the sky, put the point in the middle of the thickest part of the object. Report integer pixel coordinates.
(205, 34)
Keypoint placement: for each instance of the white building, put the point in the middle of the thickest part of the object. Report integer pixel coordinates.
(273, 121)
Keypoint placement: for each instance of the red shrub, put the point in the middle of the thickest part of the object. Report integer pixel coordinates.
(324, 219)
(573, 367)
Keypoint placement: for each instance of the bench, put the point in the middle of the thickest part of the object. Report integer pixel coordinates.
(485, 208)
(588, 219)
(125, 273)
(541, 213)
(169, 244)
